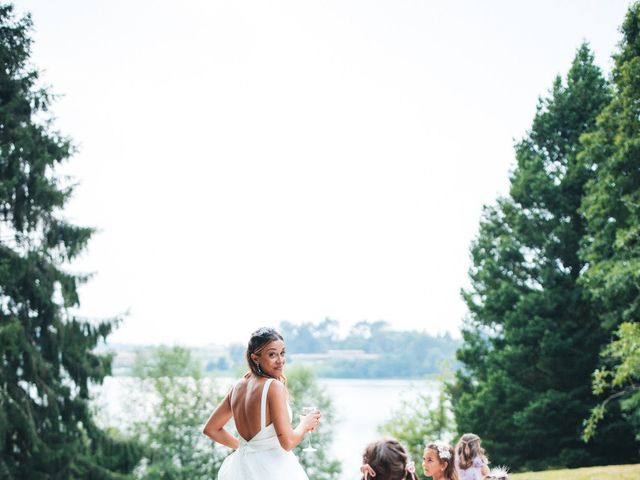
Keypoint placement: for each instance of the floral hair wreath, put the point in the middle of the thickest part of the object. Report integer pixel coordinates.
(499, 473)
(443, 450)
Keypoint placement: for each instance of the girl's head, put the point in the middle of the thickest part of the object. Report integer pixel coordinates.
(388, 460)
(437, 461)
(265, 354)
(467, 449)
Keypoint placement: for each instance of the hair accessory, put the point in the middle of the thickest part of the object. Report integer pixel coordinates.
(443, 450)
(367, 470)
(264, 331)
(499, 473)
(411, 467)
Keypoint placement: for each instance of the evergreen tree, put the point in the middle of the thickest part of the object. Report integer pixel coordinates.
(47, 357)
(612, 211)
(532, 340)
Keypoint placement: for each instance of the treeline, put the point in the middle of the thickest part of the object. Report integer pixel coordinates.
(556, 278)
(369, 350)
(390, 353)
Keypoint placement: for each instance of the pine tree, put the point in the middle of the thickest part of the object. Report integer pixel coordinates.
(611, 207)
(532, 340)
(47, 358)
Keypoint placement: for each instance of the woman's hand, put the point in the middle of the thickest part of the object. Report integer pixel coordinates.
(310, 421)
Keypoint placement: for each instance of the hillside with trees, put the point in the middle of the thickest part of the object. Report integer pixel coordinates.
(377, 351)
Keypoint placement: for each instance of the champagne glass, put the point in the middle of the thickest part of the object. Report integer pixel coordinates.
(307, 411)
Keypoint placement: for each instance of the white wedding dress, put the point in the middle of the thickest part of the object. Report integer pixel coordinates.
(262, 457)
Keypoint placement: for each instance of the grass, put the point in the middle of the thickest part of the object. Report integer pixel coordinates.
(617, 472)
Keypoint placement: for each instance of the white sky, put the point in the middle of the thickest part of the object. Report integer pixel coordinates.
(253, 161)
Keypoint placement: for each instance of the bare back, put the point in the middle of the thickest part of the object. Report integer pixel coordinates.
(245, 405)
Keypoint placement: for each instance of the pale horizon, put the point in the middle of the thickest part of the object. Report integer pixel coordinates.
(251, 162)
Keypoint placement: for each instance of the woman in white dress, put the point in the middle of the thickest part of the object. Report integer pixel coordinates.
(259, 406)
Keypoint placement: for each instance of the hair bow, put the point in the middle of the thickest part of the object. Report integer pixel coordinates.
(367, 470)
(411, 467)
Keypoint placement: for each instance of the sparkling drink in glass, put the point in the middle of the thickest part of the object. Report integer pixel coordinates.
(307, 411)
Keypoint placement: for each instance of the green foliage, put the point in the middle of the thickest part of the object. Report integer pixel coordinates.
(308, 337)
(620, 377)
(47, 355)
(420, 421)
(533, 337)
(163, 361)
(305, 391)
(612, 247)
(179, 402)
(393, 353)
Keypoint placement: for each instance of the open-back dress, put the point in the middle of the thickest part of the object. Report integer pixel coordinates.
(262, 457)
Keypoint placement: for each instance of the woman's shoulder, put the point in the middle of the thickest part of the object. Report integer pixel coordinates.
(277, 390)
(276, 384)
(240, 384)
(258, 383)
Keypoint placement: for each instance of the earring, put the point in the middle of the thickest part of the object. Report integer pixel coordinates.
(258, 367)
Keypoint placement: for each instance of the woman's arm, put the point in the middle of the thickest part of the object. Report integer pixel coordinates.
(289, 437)
(214, 428)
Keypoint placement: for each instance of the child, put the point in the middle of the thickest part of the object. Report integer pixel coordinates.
(471, 461)
(387, 459)
(437, 462)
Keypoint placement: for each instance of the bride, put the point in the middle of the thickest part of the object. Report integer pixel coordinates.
(259, 406)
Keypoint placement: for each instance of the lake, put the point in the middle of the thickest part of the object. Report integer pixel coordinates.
(361, 405)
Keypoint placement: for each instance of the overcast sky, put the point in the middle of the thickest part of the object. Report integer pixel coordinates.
(247, 162)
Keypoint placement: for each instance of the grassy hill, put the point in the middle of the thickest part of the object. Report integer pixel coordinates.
(617, 472)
